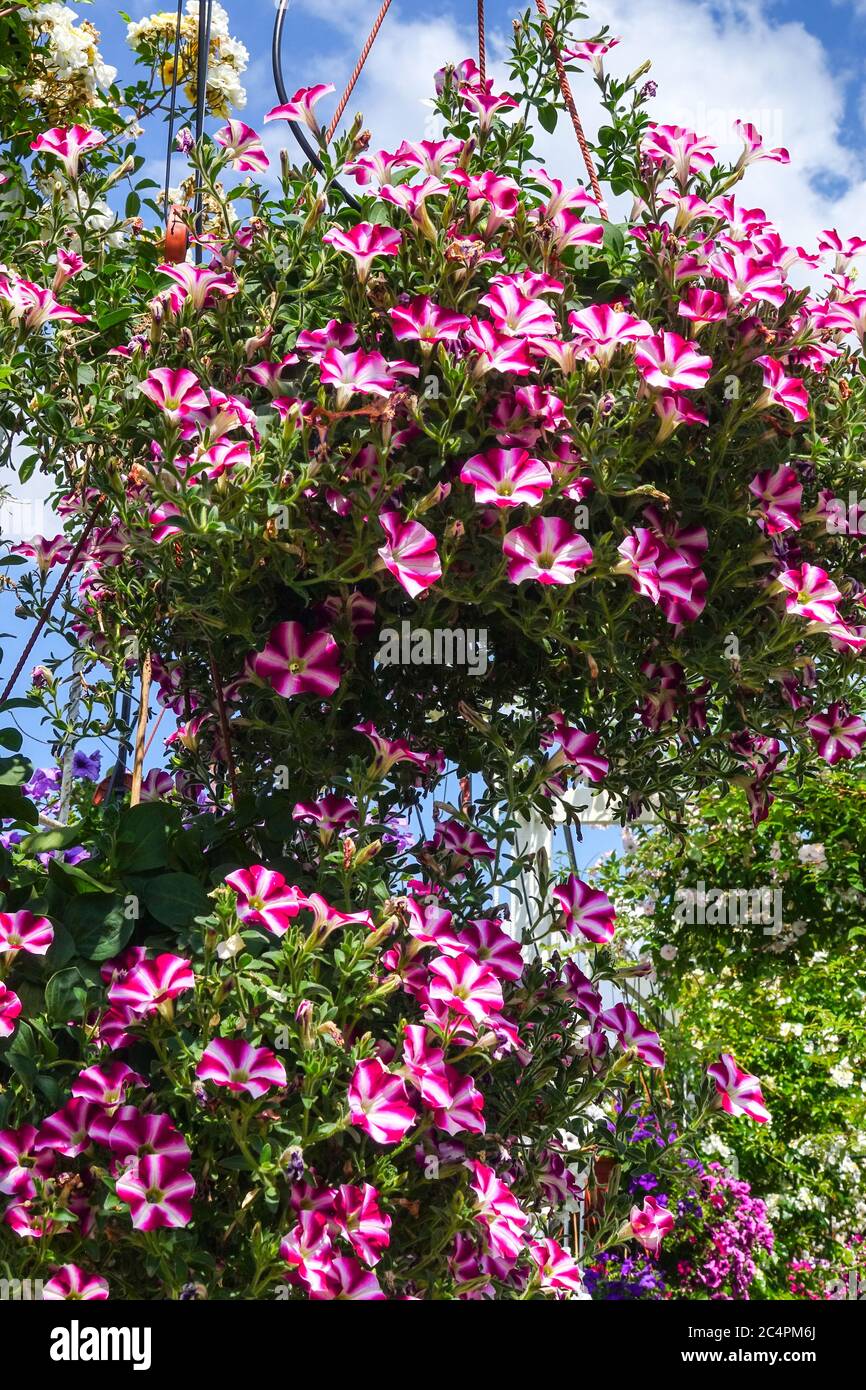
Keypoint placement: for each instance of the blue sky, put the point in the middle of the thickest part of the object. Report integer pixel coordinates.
(797, 68)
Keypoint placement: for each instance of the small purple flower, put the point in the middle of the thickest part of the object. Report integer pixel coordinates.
(87, 766)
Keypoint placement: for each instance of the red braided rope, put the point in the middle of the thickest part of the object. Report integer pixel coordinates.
(359, 68)
(482, 43)
(565, 88)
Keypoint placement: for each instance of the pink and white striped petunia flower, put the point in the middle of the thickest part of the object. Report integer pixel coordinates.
(68, 144)
(244, 149)
(547, 550)
(346, 1280)
(600, 329)
(484, 939)
(497, 352)
(364, 242)
(481, 99)
(20, 1162)
(152, 984)
(378, 1103)
(677, 149)
(459, 1108)
(410, 553)
(576, 749)
(590, 51)
(435, 157)
(750, 280)
(70, 1282)
(329, 813)
(507, 478)
(754, 147)
(68, 1131)
(566, 229)
(837, 733)
(130, 1134)
(196, 286)
(779, 494)
(106, 1085)
(557, 1269)
(425, 322)
(701, 307)
(308, 1251)
(10, 1008)
(237, 1065)
(158, 1194)
(361, 372)
(631, 1034)
(357, 1215)
(670, 363)
(265, 899)
(300, 108)
(650, 1224)
(315, 342)
(810, 593)
(22, 931)
(175, 390)
(517, 316)
(390, 751)
(31, 307)
(465, 986)
(586, 909)
(498, 1211)
(782, 390)
(46, 553)
(740, 1093)
(295, 662)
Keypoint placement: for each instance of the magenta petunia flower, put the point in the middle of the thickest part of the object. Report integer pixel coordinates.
(497, 1210)
(507, 478)
(484, 103)
(175, 390)
(46, 553)
(458, 1108)
(364, 242)
(434, 157)
(21, 931)
(754, 147)
(465, 986)
(346, 1279)
(237, 1065)
(679, 150)
(196, 286)
(740, 1093)
(316, 341)
(265, 898)
(517, 316)
(21, 1162)
(31, 307)
(361, 372)
(425, 322)
(106, 1085)
(295, 662)
(810, 593)
(631, 1034)
(157, 1193)
(650, 1224)
(357, 1216)
(548, 550)
(68, 144)
(670, 363)
(244, 149)
(300, 108)
(10, 1008)
(701, 307)
(70, 1282)
(152, 984)
(576, 749)
(586, 909)
(378, 1103)
(779, 494)
(782, 390)
(557, 1269)
(308, 1250)
(68, 1131)
(410, 553)
(330, 813)
(130, 1133)
(837, 734)
(600, 329)
(484, 939)
(390, 751)
(497, 352)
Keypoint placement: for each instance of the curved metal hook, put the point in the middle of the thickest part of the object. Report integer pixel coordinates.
(282, 93)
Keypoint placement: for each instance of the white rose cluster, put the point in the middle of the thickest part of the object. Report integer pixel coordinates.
(71, 72)
(227, 57)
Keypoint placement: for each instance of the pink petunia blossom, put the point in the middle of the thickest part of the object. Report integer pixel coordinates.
(507, 478)
(498, 1211)
(345, 1279)
(357, 1216)
(600, 329)
(837, 734)
(810, 593)
(670, 363)
(152, 984)
(410, 553)
(196, 286)
(425, 322)
(517, 316)
(754, 147)
(21, 1162)
(68, 144)
(158, 1194)
(557, 1269)
(10, 1008)
(497, 352)
(22, 931)
(364, 242)
(300, 108)
(30, 306)
(68, 1131)
(585, 909)
(547, 550)
(650, 1223)
(106, 1085)
(361, 372)
(131, 1134)
(465, 986)
(677, 149)
(237, 1065)
(701, 307)
(265, 899)
(484, 103)
(295, 662)
(390, 751)
(70, 1282)
(175, 390)
(244, 149)
(740, 1093)
(779, 494)
(782, 390)
(632, 1035)
(378, 1103)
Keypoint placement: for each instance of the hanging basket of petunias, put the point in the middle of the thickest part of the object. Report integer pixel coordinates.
(483, 399)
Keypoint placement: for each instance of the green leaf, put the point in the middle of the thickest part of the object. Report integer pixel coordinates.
(547, 117)
(14, 771)
(99, 925)
(44, 840)
(20, 1053)
(175, 899)
(14, 806)
(11, 738)
(141, 842)
(61, 1003)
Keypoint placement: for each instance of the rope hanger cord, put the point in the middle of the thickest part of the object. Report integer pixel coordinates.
(359, 68)
(482, 43)
(565, 88)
